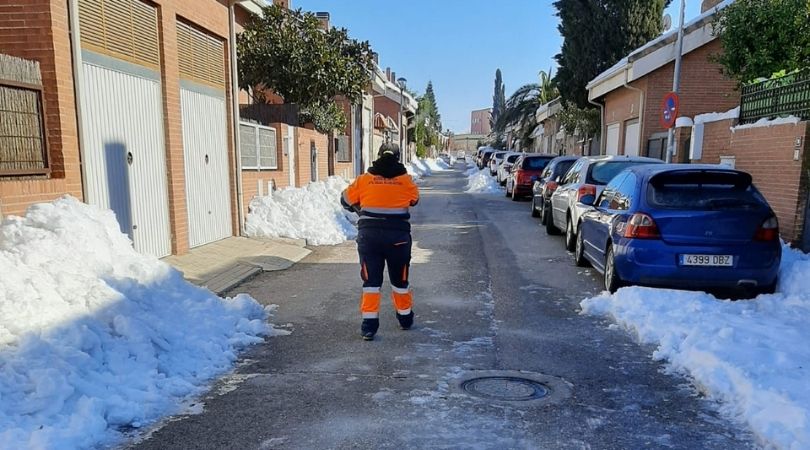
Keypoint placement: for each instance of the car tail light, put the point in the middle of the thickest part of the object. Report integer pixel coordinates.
(586, 189)
(768, 231)
(551, 186)
(641, 226)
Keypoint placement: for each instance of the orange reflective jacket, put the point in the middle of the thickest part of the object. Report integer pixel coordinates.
(380, 195)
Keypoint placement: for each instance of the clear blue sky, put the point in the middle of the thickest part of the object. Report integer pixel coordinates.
(457, 44)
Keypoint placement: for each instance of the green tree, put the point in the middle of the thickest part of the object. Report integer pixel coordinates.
(598, 33)
(288, 53)
(498, 98)
(522, 105)
(428, 121)
(761, 37)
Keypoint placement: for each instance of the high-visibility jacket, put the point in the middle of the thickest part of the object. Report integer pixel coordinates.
(382, 197)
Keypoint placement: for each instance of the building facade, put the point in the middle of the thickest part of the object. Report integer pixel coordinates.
(480, 121)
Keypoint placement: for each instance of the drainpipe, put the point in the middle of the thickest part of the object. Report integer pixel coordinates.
(640, 110)
(235, 115)
(602, 140)
(76, 50)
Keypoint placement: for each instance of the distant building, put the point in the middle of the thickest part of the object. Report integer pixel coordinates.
(479, 121)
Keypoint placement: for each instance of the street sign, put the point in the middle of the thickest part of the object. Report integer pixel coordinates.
(669, 110)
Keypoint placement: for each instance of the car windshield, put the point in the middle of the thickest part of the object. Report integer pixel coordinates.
(601, 173)
(512, 158)
(709, 192)
(535, 163)
(562, 167)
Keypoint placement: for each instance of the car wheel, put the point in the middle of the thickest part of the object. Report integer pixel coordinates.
(550, 228)
(570, 236)
(579, 252)
(612, 280)
(535, 212)
(514, 195)
(543, 214)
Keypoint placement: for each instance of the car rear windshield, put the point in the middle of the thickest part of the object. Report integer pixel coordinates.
(512, 158)
(601, 173)
(704, 191)
(536, 163)
(499, 155)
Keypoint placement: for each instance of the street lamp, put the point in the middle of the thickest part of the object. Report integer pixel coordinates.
(401, 83)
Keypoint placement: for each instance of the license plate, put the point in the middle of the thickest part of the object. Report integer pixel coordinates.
(707, 260)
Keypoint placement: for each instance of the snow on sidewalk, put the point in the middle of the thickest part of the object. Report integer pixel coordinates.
(752, 356)
(95, 337)
(481, 182)
(312, 212)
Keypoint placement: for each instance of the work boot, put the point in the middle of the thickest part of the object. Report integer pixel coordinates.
(369, 328)
(405, 321)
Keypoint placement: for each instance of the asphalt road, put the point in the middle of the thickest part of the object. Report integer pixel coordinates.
(492, 292)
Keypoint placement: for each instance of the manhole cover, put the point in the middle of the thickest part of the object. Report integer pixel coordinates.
(511, 389)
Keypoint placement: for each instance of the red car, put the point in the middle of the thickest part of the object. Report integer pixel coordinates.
(525, 171)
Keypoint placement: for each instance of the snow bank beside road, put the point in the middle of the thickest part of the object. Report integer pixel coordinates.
(436, 165)
(750, 355)
(481, 182)
(96, 337)
(312, 212)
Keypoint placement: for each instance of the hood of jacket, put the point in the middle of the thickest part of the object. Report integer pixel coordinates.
(387, 167)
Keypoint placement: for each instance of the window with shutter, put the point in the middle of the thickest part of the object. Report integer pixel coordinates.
(201, 57)
(123, 29)
(343, 153)
(247, 146)
(267, 148)
(258, 147)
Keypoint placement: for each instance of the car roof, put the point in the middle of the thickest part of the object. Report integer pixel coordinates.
(540, 154)
(602, 158)
(655, 169)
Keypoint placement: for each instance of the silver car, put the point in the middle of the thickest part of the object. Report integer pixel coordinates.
(495, 161)
(506, 166)
(588, 176)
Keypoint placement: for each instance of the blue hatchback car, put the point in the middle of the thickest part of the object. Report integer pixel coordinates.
(683, 226)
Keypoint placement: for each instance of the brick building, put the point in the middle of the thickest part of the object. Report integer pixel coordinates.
(480, 121)
(631, 92)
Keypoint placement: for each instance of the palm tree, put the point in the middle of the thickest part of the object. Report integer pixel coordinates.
(523, 103)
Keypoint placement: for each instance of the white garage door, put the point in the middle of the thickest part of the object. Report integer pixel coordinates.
(631, 135)
(205, 145)
(122, 119)
(612, 140)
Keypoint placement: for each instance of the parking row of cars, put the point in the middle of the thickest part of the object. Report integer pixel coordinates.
(639, 221)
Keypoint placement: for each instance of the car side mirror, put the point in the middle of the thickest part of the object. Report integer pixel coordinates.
(588, 199)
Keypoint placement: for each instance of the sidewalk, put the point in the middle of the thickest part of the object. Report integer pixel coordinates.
(222, 265)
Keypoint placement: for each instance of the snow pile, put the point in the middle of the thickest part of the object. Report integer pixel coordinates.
(751, 355)
(312, 212)
(95, 337)
(765, 122)
(436, 165)
(716, 117)
(480, 182)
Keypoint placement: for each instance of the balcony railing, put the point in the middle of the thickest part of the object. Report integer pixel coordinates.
(785, 96)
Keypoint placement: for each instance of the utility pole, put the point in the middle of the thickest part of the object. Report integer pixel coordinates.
(402, 140)
(676, 81)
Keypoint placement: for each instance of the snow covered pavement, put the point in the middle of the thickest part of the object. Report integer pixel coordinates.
(752, 356)
(312, 212)
(96, 338)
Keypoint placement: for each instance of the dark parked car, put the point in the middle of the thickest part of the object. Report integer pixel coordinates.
(545, 185)
(519, 181)
(682, 225)
(588, 175)
(486, 155)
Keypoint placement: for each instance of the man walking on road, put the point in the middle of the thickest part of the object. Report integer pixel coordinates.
(382, 198)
